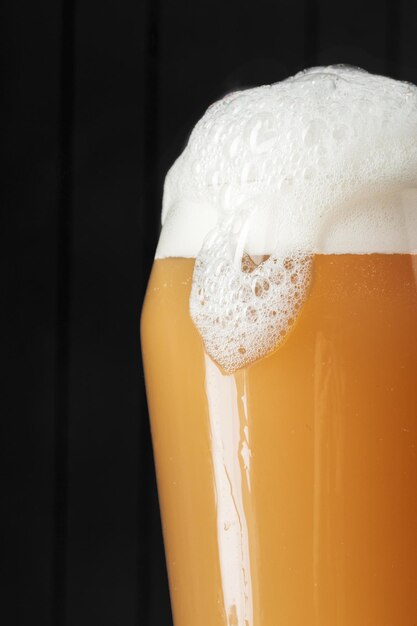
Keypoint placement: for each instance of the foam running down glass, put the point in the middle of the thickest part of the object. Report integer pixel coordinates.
(279, 336)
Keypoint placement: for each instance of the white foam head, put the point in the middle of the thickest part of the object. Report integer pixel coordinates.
(325, 161)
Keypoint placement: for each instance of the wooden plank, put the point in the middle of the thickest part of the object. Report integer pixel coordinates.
(107, 514)
(30, 40)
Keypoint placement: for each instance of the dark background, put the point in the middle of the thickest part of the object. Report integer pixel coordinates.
(98, 98)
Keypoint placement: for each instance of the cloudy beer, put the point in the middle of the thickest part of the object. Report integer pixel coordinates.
(279, 336)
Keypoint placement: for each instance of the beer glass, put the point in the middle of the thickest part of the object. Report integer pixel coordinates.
(287, 483)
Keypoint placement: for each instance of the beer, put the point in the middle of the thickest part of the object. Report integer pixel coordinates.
(280, 363)
(307, 458)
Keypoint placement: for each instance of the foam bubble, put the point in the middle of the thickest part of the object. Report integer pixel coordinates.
(242, 308)
(325, 161)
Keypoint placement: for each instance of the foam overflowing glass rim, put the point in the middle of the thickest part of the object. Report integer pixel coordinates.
(322, 162)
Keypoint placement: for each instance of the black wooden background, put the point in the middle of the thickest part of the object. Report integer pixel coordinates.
(98, 98)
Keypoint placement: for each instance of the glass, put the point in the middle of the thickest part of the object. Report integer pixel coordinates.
(279, 336)
(288, 489)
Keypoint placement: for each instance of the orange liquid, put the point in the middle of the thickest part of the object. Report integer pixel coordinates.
(288, 490)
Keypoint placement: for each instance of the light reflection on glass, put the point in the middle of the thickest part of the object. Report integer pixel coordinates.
(231, 454)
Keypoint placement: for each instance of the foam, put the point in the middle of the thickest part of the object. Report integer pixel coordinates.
(325, 161)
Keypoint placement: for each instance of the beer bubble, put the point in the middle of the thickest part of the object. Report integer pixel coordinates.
(216, 132)
(196, 168)
(201, 296)
(231, 147)
(260, 132)
(237, 224)
(244, 294)
(309, 173)
(257, 288)
(286, 184)
(233, 284)
(340, 132)
(251, 314)
(218, 268)
(211, 240)
(249, 172)
(277, 276)
(314, 133)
